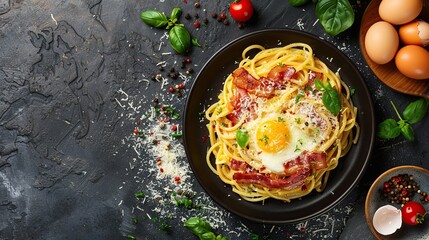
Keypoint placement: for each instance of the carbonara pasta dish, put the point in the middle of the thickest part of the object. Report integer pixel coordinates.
(281, 123)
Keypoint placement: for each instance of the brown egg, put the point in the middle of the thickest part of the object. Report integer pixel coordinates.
(381, 42)
(415, 32)
(413, 62)
(400, 11)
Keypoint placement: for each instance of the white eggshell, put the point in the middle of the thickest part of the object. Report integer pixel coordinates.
(387, 219)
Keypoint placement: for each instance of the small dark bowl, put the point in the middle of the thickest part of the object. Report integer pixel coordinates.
(374, 201)
(204, 92)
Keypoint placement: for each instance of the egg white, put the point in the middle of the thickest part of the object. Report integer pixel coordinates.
(299, 141)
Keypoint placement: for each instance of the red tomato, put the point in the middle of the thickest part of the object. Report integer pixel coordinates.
(241, 10)
(413, 213)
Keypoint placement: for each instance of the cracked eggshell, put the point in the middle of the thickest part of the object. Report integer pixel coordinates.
(387, 219)
(415, 32)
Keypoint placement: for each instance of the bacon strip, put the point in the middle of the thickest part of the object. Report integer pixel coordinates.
(264, 180)
(297, 171)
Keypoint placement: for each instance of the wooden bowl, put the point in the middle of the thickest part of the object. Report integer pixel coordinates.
(388, 73)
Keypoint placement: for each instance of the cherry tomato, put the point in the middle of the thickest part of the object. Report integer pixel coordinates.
(413, 213)
(241, 10)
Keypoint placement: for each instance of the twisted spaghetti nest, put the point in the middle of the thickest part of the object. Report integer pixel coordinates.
(271, 134)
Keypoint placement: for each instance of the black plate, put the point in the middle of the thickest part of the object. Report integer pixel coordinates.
(204, 92)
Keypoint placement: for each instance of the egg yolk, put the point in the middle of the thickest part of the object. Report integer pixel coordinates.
(272, 136)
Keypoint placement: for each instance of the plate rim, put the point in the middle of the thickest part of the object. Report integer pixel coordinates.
(360, 78)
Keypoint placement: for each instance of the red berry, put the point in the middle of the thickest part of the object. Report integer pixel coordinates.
(171, 89)
(181, 86)
(222, 16)
(177, 179)
(196, 24)
(188, 60)
(174, 127)
(136, 131)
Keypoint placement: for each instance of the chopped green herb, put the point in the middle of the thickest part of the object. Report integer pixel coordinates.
(264, 139)
(131, 237)
(298, 96)
(298, 120)
(139, 195)
(280, 119)
(176, 135)
(224, 124)
(352, 91)
(280, 64)
(164, 226)
(135, 220)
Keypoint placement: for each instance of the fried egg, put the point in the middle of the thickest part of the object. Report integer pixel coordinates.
(276, 139)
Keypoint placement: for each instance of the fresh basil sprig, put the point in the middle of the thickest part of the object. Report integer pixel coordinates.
(335, 15)
(330, 97)
(179, 36)
(202, 229)
(413, 113)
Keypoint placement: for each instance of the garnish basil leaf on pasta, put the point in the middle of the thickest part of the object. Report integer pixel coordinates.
(242, 137)
(331, 100)
(330, 97)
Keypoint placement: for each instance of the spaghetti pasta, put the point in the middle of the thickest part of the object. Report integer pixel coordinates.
(271, 133)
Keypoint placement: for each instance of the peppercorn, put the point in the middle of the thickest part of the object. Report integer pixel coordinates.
(187, 16)
(196, 15)
(240, 25)
(161, 68)
(205, 21)
(214, 15)
(189, 70)
(196, 4)
(225, 22)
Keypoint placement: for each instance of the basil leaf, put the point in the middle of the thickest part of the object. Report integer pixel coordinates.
(208, 236)
(331, 100)
(388, 129)
(297, 3)
(335, 15)
(408, 132)
(220, 237)
(242, 137)
(154, 18)
(415, 111)
(318, 84)
(175, 14)
(180, 39)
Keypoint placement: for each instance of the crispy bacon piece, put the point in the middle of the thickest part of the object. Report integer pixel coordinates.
(265, 180)
(306, 160)
(296, 170)
(237, 165)
(244, 80)
(281, 73)
(264, 86)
